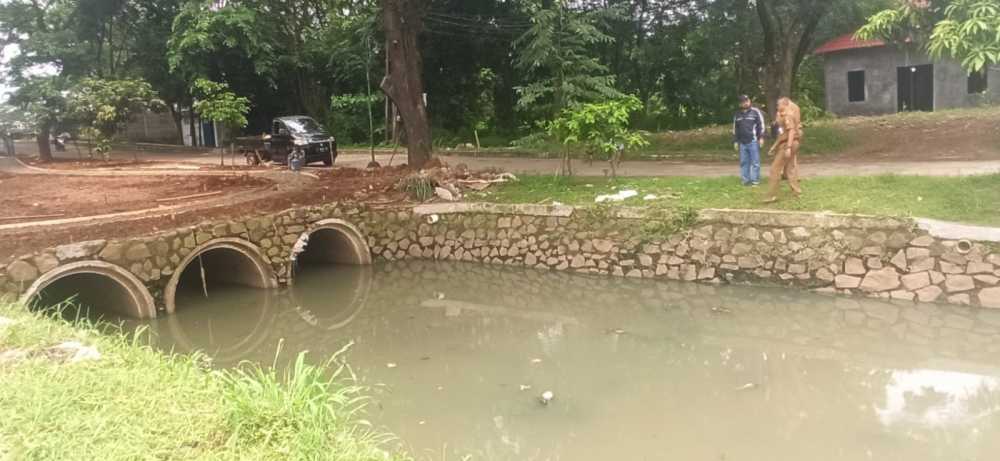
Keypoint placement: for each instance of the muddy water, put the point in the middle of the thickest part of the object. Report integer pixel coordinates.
(458, 356)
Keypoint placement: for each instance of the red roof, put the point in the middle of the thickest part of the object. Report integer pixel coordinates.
(847, 42)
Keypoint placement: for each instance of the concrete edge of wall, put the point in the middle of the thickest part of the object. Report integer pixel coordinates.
(955, 231)
(243, 247)
(727, 216)
(548, 211)
(142, 301)
(354, 236)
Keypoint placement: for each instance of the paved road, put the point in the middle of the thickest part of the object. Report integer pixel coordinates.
(636, 168)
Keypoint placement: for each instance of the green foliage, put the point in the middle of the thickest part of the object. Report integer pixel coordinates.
(201, 33)
(661, 223)
(970, 32)
(418, 187)
(557, 55)
(905, 22)
(600, 128)
(966, 30)
(483, 108)
(349, 116)
(311, 411)
(216, 103)
(107, 104)
(138, 403)
(42, 99)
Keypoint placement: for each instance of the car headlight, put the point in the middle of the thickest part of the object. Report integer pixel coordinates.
(301, 142)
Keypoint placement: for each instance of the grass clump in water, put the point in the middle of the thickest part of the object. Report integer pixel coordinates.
(137, 403)
(305, 411)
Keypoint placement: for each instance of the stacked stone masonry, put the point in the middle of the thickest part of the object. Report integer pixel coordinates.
(878, 257)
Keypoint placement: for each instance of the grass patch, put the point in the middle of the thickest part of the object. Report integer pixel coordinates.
(138, 403)
(973, 199)
(826, 137)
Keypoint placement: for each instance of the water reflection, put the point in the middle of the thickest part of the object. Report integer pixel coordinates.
(939, 399)
(639, 369)
(232, 324)
(330, 298)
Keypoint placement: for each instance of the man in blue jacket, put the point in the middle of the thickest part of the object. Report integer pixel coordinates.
(748, 140)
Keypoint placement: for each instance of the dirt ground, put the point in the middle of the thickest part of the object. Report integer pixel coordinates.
(88, 193)
(27, 197)
(943, 136)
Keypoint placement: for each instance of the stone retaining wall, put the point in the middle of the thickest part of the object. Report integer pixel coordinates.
(879, 257)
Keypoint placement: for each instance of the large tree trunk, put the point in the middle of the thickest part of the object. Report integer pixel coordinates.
(789, 27)
(175, 114)
(778, 77)
(404, 83)
(44, 145)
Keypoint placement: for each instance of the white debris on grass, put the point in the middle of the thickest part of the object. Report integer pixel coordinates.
(621, 196)
(650, 197)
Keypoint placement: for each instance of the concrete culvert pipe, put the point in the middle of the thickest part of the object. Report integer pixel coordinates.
(220, 263)
(97, 290)
(334, 242)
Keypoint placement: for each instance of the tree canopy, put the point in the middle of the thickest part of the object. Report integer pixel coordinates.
(496, 69)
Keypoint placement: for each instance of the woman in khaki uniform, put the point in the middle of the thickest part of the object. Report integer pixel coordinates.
(787, 146)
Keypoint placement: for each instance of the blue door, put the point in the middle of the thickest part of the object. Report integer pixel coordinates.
(208, 134)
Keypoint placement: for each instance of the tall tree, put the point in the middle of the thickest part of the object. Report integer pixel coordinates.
(789, 28)
(48, 60)
(558, 53)
(404, 84)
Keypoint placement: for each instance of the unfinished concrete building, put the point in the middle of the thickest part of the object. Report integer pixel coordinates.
(873, 77)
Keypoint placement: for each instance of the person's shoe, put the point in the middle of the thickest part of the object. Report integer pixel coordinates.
(770, 200)
(754, 184)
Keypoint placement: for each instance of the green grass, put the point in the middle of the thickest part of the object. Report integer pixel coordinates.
(138, 403)
(974, 199)
(824, 137)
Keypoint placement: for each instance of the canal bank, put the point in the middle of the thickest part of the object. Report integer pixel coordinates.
(903, 259)
(457, 356)
(74, 392)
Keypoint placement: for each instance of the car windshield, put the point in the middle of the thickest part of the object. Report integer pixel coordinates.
(303, 125)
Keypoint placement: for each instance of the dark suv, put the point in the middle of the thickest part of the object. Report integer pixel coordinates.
(299, 132)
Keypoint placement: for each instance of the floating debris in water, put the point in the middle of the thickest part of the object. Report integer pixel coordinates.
(617, 331)
(536, 361)
(546, 397)
(525, 387)
(747, 387)
(722, 310)
(390, 365)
